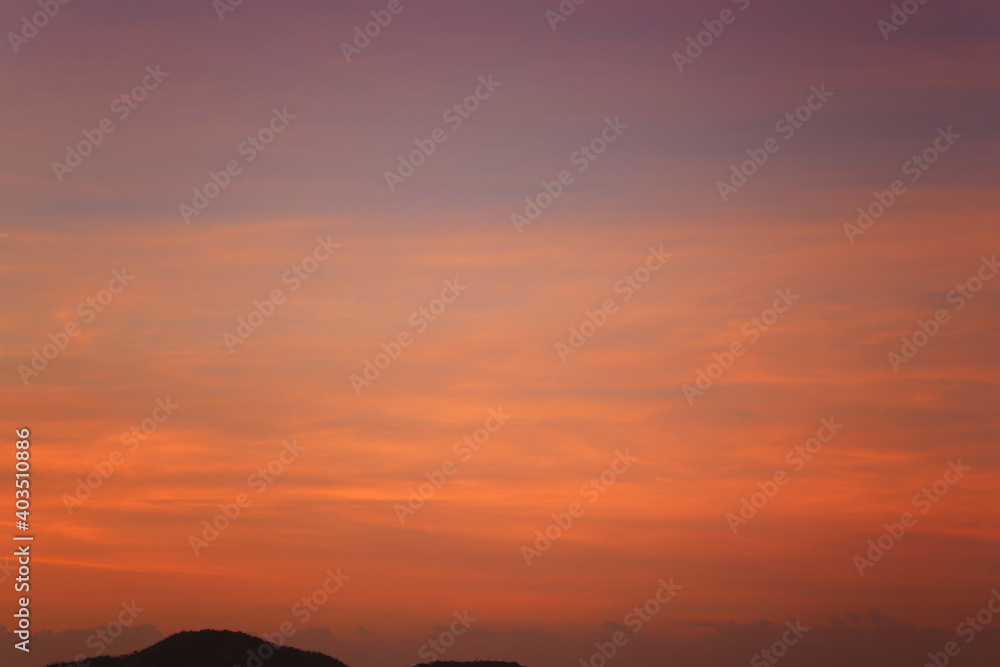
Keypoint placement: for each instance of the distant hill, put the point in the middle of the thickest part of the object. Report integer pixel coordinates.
(472, 663)
(213, 648)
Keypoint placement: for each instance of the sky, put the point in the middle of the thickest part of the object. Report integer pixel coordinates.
(497, 270)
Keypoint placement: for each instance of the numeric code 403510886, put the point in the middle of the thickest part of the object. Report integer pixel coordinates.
(22, 494)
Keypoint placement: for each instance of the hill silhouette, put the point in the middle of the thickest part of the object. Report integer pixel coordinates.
(213, 648)
(471, 663)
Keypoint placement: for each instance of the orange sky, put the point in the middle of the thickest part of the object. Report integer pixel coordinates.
(162, 336)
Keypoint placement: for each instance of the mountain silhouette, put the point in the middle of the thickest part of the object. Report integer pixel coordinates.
(213, 648)
(472, 663)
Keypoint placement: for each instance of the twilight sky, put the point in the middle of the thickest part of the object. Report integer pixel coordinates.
(487, 314)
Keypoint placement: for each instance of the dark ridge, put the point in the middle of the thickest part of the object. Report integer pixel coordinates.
(213, 648)
(476, 663)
